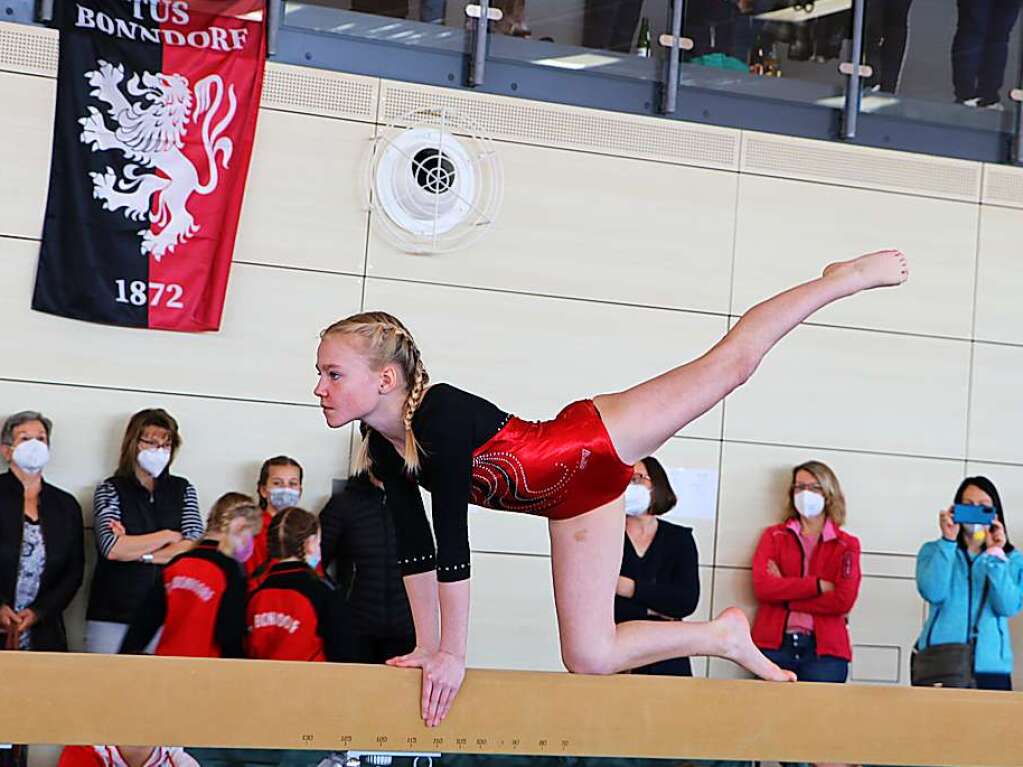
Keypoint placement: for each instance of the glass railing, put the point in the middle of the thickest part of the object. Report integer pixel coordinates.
(439, 24)
(936, 63)
(930, 61)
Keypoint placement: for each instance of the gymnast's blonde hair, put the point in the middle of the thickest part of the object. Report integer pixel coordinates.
(388, 341)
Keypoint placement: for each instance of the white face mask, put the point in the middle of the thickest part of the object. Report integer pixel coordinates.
(637, 500)
(808, 503)
(154, 460)
(31, 456)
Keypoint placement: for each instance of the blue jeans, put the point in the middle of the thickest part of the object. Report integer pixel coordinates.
(980, 48)
(994, 681)
(798, 653)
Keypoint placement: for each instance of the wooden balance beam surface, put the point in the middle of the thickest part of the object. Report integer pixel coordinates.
(108, 699)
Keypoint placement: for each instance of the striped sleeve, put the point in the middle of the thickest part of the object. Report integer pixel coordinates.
(192, 526)
(106, 508)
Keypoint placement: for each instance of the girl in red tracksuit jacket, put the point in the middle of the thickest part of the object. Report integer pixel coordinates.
(806, 576)
(201, 599)
(295, 614)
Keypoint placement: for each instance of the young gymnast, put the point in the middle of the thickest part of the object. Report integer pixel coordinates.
(572, 470)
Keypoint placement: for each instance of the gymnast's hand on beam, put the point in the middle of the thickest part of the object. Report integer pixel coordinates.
(443, 673)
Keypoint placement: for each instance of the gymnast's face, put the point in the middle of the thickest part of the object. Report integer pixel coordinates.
(348, 388)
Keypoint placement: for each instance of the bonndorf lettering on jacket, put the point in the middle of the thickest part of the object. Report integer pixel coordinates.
(276, 620)
(194, 585)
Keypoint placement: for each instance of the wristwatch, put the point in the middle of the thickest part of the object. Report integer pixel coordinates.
(147, 558)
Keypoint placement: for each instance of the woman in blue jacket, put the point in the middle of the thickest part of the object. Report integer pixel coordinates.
(973, 582)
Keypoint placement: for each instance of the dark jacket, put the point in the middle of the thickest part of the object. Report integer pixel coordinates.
(359, 537)
(200, 603)
(120, 588)
(667, 576)
(295, 615)
(61, 519)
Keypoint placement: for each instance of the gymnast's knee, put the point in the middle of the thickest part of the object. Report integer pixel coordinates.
(589, 660)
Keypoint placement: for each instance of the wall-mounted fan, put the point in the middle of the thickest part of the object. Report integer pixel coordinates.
(434, 183)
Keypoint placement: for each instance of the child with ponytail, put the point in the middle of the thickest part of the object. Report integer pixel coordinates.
(295, 614)
(200, 600)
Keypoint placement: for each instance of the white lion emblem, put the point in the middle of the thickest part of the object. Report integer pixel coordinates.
(150, 132)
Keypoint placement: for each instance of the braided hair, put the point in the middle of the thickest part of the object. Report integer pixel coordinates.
(389, 341)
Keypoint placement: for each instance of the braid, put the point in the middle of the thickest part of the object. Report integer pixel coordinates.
(389, 341)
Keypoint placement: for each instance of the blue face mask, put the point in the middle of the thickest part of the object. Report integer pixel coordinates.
(284, 497)
(313, 560)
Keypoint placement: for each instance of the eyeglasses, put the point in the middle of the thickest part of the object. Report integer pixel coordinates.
(152, 444)
(812, 487)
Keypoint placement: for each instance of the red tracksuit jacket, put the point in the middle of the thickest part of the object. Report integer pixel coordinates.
(201, 605)
(296, 615)
(836, 558)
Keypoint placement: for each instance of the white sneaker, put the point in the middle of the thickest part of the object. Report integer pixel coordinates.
(974, 102)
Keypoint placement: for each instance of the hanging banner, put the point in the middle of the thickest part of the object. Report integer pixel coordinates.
(156, 111)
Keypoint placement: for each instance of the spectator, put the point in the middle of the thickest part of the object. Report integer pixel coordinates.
(980, 50)
(295, 614)
(125, 756)
(359, 540)
(884, 40)
(431, 11)
(200, 601)
(611, 25)
(806, 575)
(972, 572)
(279, 488)
(660, 579)
(41, 550)
(144, 517)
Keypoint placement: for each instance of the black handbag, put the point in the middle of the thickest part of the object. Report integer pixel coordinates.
(946, 665)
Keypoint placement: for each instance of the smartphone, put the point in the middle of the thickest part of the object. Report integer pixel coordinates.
(963, 513)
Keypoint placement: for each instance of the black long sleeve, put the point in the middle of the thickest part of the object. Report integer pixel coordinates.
(449, 425)
(230, 627)
(334, 542)
(147, 621)
(55, 599)
(667, 577)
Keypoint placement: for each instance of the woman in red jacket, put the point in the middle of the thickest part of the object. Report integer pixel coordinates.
(806, 575)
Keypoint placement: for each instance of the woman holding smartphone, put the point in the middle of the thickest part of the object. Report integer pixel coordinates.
(972, 580)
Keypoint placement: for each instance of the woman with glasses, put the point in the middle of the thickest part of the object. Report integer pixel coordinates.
(806, 576)
(660, 577)
(143, 517)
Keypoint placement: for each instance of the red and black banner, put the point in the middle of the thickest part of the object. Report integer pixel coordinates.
(156, 111)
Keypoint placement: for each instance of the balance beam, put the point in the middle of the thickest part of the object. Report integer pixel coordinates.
(58, 698)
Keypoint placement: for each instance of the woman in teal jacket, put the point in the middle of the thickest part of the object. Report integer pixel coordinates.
(973, 582)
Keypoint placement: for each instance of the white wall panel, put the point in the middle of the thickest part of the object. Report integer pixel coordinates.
(996, 407)
(892, 502)
(533, 355)
(693, 454)
(266, 348)
(604, 228)
(889, 614)
(788, 231)
(26, 133)
(999, 277)
(513, 624)
(304, 206)
(848, 389)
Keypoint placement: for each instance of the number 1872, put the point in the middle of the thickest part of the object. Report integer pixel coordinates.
(139, 293)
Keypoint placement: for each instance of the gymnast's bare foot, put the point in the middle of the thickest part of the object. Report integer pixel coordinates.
(885, 268)
(737, 646)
